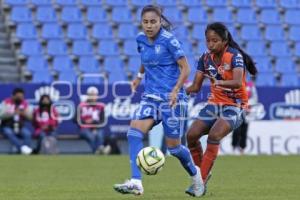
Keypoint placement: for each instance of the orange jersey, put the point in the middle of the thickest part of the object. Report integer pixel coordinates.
(231, 59)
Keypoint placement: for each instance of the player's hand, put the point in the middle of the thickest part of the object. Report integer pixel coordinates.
(134, 84)
(173, 98)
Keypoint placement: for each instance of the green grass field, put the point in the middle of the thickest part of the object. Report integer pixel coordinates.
(92, 178)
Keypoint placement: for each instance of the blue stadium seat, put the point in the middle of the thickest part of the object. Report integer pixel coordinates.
(141, 3)
(82, 48)
(52, 31)
(46, 14)
(114, 3)
(16, 2)
(57, 48)
(108, 48)
(187, 47)
(294, 33)
(113, 64)
(251, 32)
(26, 31)
(166, 3)
(31, 48)
(292, 17)
(297, 49)
(201, 47)
(274, 33)
(285, 65)
(102, 31)
(114, 77)
(21, 14)
(263, 64)
(256, 48)
(41, 2)
(269, 16)
(217, 3)
(66, 2)
(241, 3)
(197, 15)
(222, 15)
(130, 48)
(91, 2)
(134, 63)
(71, 15)
(96, 15)
(62, 63)
(290, 80)
(121, 15)
(41, 77)
(279, 49)
(246, 16)
(173, 14)
(289, 4)
(68, 75)
(127, 31)
(93, 80)
(265, 79)
(36, 63)
(192, 62)
(266, 3)
(199, 31)
(77, 31)
(88, 64)
(180, 32)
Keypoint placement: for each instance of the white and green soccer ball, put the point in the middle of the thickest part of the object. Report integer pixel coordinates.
(150, 160)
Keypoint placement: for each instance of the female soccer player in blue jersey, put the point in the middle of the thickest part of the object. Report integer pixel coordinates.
(165, 69)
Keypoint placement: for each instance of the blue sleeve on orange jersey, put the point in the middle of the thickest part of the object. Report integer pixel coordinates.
(200, 65)
(237, 60)
(174, 48)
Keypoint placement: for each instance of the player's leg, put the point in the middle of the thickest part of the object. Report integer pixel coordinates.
(243, 140)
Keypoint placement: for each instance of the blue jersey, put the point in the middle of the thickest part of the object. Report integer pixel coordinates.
(159, 60)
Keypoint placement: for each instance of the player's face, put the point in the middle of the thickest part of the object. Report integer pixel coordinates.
(214, 42)
(151, 23)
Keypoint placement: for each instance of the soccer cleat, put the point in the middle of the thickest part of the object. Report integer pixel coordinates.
(129, 187)
(190, 190)
(197, 187)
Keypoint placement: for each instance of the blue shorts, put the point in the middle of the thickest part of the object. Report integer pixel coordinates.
(172, 119)
(232, 114)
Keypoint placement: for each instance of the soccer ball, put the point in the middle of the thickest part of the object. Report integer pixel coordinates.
(150, 160)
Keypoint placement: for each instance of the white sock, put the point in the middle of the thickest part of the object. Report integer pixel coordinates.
(136, 181)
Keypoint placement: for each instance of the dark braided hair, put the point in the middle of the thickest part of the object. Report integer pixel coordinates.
(223, 32)
(166, 24)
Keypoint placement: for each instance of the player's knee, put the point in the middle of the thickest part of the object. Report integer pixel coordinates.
(192, 139)
(215, 137)
(174, 151)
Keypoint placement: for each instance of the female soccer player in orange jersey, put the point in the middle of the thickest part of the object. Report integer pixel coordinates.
(225, 64)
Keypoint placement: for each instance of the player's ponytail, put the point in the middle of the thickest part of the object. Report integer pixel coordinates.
(166, 24)
(223, 32)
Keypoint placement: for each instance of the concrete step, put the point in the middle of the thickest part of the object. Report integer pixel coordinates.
(8, 59)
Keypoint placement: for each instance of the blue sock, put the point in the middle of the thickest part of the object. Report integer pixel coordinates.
(135, 143)
(183, 154)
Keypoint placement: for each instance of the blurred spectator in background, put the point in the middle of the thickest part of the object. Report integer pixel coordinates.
(91, 117)
(14, 112)
(239, 136)
(45, 122)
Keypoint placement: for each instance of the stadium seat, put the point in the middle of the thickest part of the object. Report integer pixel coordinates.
(173, 14)
(93, 80)
(127, 31)
(113, 65)
(130, 48)
(269, 16)
(197, 15)
(263, 64)
(41, 77)
(77, 31)
(289, 4)
(141, 3)
(222, 15)
(187, 47)
(292, 17)
(16, 2)
(66, 2)
(96, 15)
(108, 48)
(241, 3)
(31, 48)
(201, 47)
(52, 31)
(57, 48)
(190, 3)
(71, 15)
(290, 80)
(69, 76)
(266, 3)
(274, 33)
(91, 2)
(26, 31)
(180, 32)
(199, 31)
(115, 3)
(256, 48)
(88, 64)
(46, 14)
(216, 3)
(82, 48)
(294, 33)
(102, 31)
(250, 32)
(62, 63)
(36, 63)
(41, 2)
(121, 15)
(246, 16)
(279, 49)
(134, 63)
(265, 79)
(21, 14)
(297, 49)
(285, 65)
